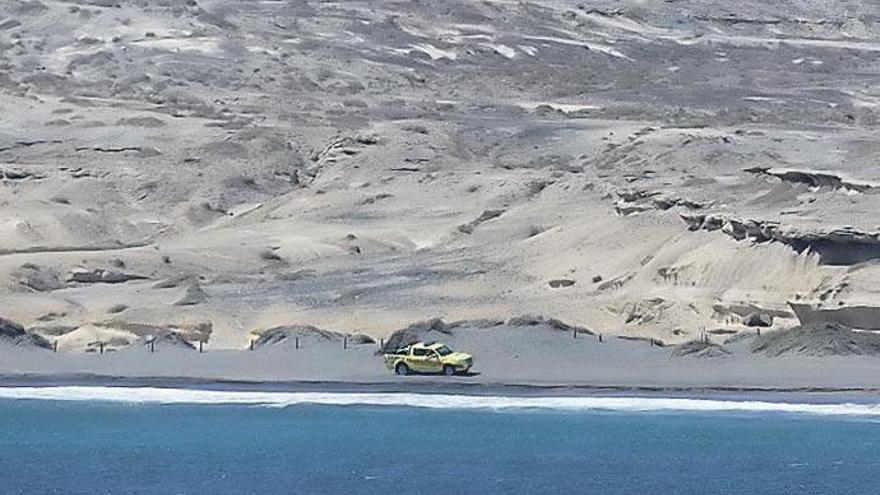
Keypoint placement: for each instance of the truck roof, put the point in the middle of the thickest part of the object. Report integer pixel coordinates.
(428, 345)
(425, 345)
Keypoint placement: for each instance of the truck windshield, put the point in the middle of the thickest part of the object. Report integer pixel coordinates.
(444, 351)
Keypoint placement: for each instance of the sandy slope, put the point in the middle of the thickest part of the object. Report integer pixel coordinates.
(360, 166)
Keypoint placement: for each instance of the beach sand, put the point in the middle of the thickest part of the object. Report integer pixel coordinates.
(536, 356)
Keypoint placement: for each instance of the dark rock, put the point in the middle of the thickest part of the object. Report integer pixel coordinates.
(468, 228)
(10, 329)
(813, 178)
(378, 197)
(721, 331)
(173, 283)
(844, 246)
(100, 275)
(117, 308)
(194, 295)
(16, 174)
(270, 255)
(9, 24)
(534, 230)
(757, 320)
(37, 278)
(560, 283)
(633, 195)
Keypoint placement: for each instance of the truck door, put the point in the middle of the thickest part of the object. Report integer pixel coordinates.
(432, 362)
(419, 359)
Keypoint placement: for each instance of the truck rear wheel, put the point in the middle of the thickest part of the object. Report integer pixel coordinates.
(401, 369)
(448, 370)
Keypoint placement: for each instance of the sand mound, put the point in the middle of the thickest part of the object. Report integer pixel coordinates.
(189, 331)
(699, 349)
(535, 320)
(826, 339)
(36, 278)
(15, 334)
(118, 335)
(436, 329)
(285, 337)
(417, 332)
(167, 339)
(92, 338)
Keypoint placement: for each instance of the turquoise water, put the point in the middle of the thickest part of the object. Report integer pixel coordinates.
(93, 447)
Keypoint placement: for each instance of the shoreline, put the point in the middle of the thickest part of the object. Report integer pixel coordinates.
(436, 386)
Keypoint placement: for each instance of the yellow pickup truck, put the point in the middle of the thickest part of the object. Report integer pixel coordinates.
(428, 357)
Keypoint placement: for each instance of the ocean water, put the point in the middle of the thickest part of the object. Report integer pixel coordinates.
(84, 440)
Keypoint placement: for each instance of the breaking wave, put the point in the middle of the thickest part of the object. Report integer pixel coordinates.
(152, 395)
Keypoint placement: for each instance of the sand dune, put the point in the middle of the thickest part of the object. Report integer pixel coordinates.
(638, 170)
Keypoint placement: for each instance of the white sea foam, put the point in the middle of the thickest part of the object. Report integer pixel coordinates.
(149, 395)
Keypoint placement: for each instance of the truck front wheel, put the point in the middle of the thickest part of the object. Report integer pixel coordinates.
(401, 369)
(448, 370)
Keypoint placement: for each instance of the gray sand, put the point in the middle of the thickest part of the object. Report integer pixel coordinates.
(504, 356)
